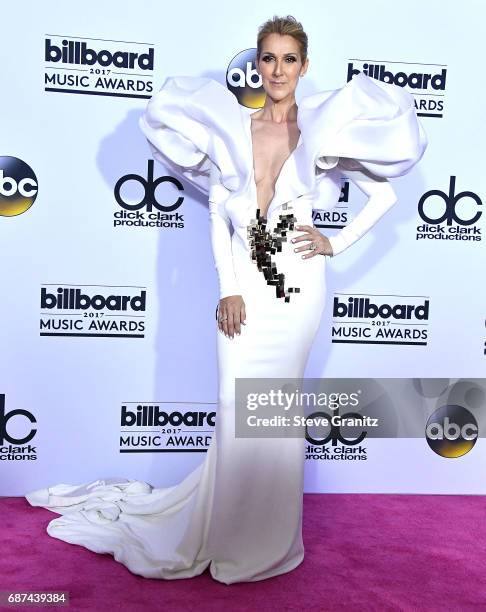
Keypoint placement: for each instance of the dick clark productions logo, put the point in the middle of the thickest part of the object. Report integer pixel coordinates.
(450, 216)
(153, 209)
(15, 446)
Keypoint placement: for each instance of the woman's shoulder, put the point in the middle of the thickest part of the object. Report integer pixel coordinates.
(195, 96)
(195, 127)
(366, 120)
(364, 93)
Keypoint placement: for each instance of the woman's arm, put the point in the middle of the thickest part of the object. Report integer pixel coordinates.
(222, 251)
(381, 197)
(221, 240)
(231, 307)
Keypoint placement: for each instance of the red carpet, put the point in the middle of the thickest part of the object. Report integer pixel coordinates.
(363, 552)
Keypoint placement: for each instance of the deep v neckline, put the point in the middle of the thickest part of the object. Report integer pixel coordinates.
(252, 173)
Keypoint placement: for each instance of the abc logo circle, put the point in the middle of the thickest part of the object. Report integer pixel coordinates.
(451, 431)
(243, 80)
(18, 186)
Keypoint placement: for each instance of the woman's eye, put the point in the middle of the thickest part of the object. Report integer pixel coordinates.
(267, 58)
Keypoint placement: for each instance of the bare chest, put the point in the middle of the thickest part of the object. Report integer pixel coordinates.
(272, 145)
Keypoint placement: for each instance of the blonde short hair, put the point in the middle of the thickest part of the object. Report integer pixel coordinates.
(283, 25)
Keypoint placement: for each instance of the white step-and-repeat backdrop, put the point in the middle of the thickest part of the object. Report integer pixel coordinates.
(108, 287)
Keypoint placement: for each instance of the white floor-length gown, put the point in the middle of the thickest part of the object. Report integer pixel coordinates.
(240, 511)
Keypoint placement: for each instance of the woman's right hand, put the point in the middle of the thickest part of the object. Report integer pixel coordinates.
(231, 315)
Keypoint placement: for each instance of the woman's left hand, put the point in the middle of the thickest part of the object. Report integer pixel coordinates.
(322, 244)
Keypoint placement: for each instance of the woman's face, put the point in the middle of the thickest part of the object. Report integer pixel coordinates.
(280, 65)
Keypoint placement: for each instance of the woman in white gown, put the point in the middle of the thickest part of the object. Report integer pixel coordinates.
(240, 512)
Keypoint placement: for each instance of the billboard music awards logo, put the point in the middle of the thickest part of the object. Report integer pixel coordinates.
(77, 65)
(243, 80)
(148, 202)
(99, 311)
(380, 319)
(450, 216)
(427, 82)
(18, 186)
(158, 428)
(16, 433)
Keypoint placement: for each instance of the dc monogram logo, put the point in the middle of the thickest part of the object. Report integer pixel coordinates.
(5, 418)
(451, 199)
(149, 185)
(334, 436)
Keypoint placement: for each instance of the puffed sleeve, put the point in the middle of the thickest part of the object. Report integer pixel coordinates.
(191, 125)
(366, 120)
(369, 131)
(194, 128)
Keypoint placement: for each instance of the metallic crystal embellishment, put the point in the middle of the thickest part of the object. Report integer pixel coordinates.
(264, 244)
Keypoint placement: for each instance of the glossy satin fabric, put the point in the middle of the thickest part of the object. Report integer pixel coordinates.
(240, 512)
